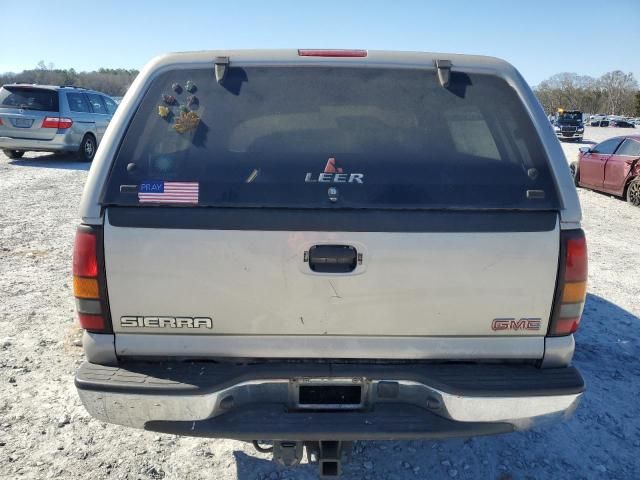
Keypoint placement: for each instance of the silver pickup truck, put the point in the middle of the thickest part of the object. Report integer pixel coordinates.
(312, 247)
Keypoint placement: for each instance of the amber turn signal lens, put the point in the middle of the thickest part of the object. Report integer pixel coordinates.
(85, 287)
(574, 292)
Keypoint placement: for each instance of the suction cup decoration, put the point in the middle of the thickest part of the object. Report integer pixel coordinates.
(186, 122)
(192, 102)
(186, 119)
(169, 99)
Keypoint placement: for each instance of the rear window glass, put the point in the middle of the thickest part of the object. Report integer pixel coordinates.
(28, 98)
(332, 137)
(630, 148)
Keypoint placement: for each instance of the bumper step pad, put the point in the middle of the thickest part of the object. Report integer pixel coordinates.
(203, 377)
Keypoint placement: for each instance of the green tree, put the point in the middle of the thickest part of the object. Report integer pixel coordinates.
(113, 81)
(612, 93)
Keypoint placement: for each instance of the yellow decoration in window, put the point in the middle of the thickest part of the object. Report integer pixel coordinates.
(186, 121)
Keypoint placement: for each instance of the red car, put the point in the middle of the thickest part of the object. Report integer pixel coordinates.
(612, 166)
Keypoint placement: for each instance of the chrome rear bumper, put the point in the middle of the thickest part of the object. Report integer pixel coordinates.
(163, 403)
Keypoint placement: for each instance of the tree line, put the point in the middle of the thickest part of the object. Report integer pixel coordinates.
(112, 81)
(614, 93)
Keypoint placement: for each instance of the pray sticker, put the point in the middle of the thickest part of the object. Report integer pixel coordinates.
(159, 191)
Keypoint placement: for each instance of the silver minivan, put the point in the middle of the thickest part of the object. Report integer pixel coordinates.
(50, 118)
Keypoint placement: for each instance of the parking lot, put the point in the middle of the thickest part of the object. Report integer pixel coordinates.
(46, 433)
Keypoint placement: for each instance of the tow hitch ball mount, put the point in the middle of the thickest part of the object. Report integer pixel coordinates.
(328, 455)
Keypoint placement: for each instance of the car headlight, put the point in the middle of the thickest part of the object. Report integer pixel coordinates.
(556, 128)
(581, 129)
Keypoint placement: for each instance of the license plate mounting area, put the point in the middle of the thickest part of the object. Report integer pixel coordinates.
(328, 393)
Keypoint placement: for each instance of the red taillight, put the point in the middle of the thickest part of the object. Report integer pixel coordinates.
(91, 322)
(85, 259)
(57, 122)
(331, 53)
(572, 284)
(576, 259)
(86, 281)
(50, 122)
(1, 122)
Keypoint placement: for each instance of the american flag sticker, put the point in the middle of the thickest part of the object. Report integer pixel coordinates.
(157, 191)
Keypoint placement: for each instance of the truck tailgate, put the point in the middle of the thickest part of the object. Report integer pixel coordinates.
(440, 282)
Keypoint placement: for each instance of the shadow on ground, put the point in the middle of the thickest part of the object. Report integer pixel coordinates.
(253, 468)
(609, 337)
(63, 162)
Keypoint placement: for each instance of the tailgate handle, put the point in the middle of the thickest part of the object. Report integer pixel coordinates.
(332, 258)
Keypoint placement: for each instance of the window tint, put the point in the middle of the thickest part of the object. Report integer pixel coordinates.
(96, 103)
(29, 98)
(385, 138)
(78, 103)
(630, 148)
(470, 132)
(111, 105)
(607, 147)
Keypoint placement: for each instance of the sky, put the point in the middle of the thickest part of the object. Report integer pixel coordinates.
(539, 37)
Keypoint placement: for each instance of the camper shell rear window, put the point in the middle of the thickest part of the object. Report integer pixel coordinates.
(331, 137)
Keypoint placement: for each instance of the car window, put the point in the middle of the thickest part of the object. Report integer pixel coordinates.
(630, 148)
(607, 147)
(29, 98)
(97, 104)
(111, 105)
(78, 103)
(385, 138)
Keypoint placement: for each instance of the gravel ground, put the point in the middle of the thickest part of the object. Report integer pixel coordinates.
(46, 433)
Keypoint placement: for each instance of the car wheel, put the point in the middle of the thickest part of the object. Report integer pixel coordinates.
(633, 192)
(13, 153)
(575, 173)
(87, 148)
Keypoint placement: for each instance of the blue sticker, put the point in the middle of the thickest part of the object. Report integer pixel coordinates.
(152, 186)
